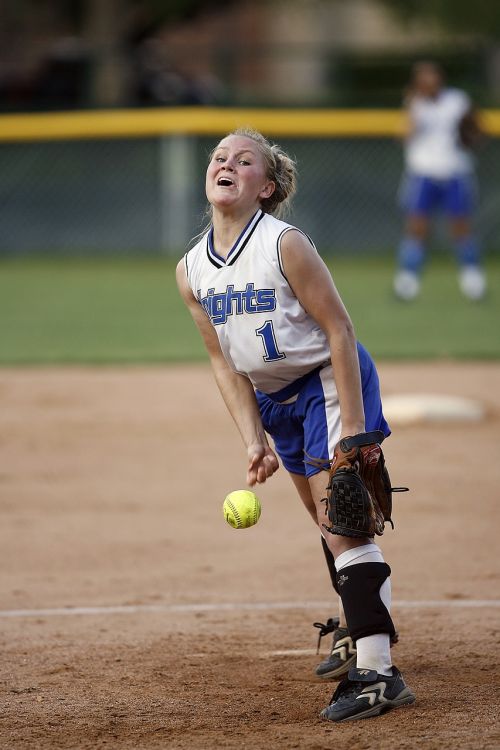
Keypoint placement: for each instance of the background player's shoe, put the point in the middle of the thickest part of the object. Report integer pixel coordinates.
(472, 282)
(365, 693)
(406, 285)
(343, 652)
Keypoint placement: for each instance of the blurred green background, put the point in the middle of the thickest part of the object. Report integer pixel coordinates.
(129, 311)
(87, 224)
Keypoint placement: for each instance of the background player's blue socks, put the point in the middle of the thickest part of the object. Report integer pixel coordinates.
(468, 252)
(411, 254)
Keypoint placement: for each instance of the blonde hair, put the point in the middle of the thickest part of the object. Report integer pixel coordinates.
(280, 169)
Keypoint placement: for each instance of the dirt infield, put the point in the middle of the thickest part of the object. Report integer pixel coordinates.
(111, 485)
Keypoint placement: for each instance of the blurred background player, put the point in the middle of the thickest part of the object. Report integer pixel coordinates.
(440, 176)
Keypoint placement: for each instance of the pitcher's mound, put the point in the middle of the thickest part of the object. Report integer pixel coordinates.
(412, 408)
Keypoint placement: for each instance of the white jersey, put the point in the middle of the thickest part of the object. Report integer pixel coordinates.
(434, 148)
(263, 330)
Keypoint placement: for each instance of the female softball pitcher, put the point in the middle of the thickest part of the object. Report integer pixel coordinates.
(286, 361)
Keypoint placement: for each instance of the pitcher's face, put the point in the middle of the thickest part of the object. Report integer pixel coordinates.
(237, 174)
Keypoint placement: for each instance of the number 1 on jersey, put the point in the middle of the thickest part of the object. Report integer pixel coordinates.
(266, 332)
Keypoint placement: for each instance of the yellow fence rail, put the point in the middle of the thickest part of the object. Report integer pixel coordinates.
(127, 123)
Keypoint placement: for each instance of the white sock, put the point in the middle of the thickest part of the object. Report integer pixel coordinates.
(373, 651)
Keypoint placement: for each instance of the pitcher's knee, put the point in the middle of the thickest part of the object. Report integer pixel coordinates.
(338, 544)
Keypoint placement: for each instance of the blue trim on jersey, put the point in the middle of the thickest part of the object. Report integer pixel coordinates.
(278, 248)
(278, 253)
(238, 246)
(423, 195)
(301, 428)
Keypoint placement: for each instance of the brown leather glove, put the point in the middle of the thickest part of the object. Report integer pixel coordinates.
(359, 492)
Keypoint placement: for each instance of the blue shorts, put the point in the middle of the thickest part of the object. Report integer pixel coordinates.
(306, 429)
(423, 196)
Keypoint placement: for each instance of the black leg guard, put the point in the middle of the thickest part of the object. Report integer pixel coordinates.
(330, 561)
(359, 587)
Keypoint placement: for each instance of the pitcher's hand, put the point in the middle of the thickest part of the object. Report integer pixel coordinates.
(262, 463)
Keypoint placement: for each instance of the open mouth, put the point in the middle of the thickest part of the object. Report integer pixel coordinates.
(225, 182)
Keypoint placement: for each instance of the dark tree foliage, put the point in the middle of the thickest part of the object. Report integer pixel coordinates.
(180, 10)
(158, 11)
(480, 17)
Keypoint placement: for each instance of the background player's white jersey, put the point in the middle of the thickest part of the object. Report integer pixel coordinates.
(434, 148)
(263, 330)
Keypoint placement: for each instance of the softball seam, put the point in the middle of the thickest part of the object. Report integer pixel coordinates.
(235, 513)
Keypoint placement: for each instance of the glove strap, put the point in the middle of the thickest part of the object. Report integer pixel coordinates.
(363, 438)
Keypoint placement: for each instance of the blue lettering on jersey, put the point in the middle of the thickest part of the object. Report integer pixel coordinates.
(219, 306)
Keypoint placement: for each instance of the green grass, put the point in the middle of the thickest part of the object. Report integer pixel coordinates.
(129, 311)
(441, 323)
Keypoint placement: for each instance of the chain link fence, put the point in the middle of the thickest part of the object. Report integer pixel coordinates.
(146, 195)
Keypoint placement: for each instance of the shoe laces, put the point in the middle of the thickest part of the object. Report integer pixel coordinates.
(346, 689)
(330, 626)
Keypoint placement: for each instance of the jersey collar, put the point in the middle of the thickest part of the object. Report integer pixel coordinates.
(238, 246)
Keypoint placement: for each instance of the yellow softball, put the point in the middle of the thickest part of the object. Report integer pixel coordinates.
(241, 509)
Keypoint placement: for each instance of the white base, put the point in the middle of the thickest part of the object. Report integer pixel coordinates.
(412, 408)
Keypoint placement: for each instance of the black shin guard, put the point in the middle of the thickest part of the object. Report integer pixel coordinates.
(330, 561)
(359, 587)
